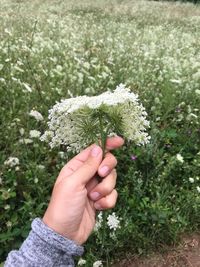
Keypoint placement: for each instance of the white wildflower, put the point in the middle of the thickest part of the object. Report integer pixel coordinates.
(40, 167)
(21, 131)
(179, 157)
(77, 122)
(34, 134)
(9, 224)
(191, 180)
(97, 264)
(113, 221)
(17, 168)
(11, 162)
(7, 207)
(25, 141)
(37, 115)
(99, 221)
(113, 235)
(81, 262)
(198, 189)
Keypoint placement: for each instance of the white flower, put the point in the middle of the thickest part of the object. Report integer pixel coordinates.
(34, 134)
(97, 264)
(113, 221)
(21, 131)
(40, 167)
(9, 224)
(37, 115)
(77, 122)
(191, 180)
(11, 162)
(81, 262)
(99, 221)
(25, 141)
(179, 157)
(198, 189)
(17, 168)
(7, 207)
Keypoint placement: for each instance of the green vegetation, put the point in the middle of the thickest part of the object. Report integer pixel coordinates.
(51, 50)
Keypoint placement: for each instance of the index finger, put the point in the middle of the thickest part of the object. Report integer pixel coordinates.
(76, 162)
(114, 142)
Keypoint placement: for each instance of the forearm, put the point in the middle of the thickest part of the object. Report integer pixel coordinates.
(43, 247)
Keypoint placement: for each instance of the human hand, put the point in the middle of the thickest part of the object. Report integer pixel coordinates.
(77, 194)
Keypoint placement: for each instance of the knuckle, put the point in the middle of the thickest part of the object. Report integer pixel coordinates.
(111, 204)
(104, 189)
(116, 193)
(89, 163)
(114, 174)
(113, 159)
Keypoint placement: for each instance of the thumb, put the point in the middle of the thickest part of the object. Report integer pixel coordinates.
(90, 166)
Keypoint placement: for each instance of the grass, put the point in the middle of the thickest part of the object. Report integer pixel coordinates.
(51, 50)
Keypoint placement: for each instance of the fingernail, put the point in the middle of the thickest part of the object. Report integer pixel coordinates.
(94, 195)
(97, 206)
(104, 170)
(96, 151)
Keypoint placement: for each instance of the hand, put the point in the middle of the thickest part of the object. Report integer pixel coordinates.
(77, 194)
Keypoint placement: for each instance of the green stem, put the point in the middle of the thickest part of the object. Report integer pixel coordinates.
(103, 145)
(103, 135)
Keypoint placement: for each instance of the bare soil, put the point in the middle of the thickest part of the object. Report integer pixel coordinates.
(187, 254)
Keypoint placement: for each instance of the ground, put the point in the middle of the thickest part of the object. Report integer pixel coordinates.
(187, 254)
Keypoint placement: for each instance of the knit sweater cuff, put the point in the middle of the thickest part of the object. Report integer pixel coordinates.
(44, 247)
(56, 240)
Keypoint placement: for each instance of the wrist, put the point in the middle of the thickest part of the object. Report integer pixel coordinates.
(61, 230)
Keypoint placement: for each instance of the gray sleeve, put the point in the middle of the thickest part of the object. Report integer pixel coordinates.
(44, 248)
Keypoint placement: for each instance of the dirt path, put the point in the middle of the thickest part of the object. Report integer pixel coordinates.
(187, 254)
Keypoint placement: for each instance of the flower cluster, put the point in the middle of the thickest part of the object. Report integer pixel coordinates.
(97, 264)
(34, 134)
(12, 162)
(99, 221)
(81, 262)
(113, 221)
(79, 121)
(179, 157)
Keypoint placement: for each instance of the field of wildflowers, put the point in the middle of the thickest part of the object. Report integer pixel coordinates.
(52, 50)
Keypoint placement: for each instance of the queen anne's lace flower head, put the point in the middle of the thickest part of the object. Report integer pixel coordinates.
(81, 262)
(11, 162)
(78, 122)
(113, 221)
(97, 264)
(34, 134)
